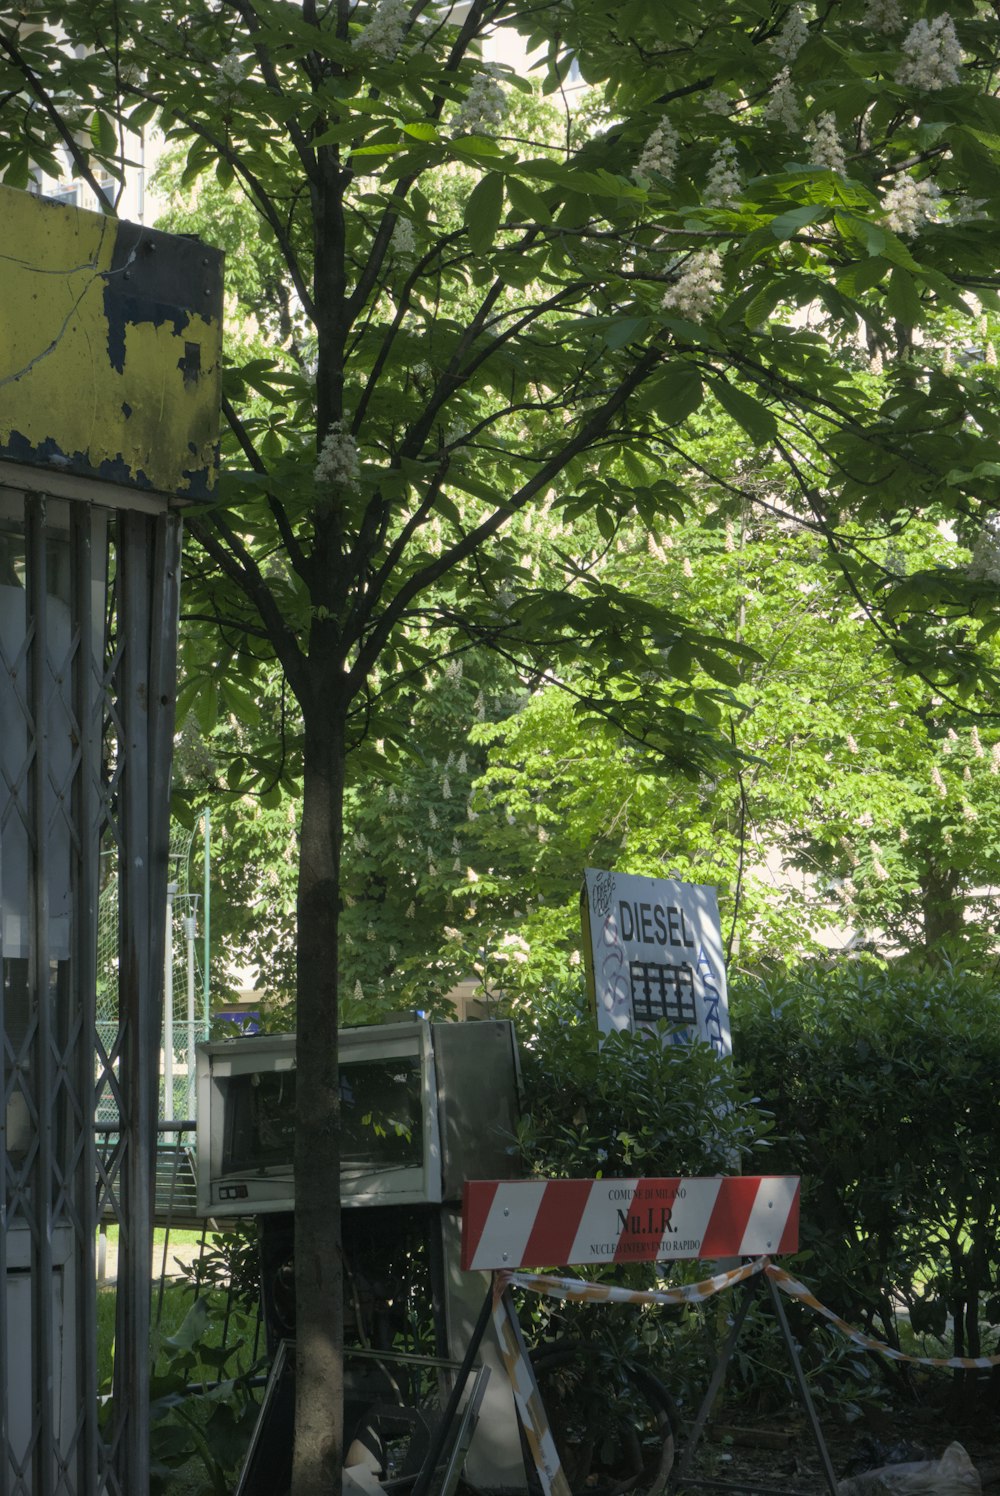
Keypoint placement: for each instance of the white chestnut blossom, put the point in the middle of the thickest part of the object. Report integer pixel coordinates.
(337, 465)
(715, 101)
(404, 240)
(933, 57)
(383, 35)
(964, 208)
(908, 204)
(791, 38)
(659, 154)
(131, 75)
(883, 16)
(782, 106)
(485, 105)
(825, 147)
(722, 186)
(985, 563)
(695, 291)
(232, 70)
(513, 948)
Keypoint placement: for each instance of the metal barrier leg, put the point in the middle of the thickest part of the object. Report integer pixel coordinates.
(803, 1386)
(440, 1436)
(715, 1382)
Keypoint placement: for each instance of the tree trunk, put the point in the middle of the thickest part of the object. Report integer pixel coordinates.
(318, 1458)
(942, 909)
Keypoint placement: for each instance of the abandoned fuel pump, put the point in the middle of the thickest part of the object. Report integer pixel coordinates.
(424, 1106)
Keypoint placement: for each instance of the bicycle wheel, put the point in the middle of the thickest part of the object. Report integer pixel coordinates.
(613, 1421)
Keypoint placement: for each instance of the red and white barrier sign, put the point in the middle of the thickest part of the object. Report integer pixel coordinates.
(568, 1222)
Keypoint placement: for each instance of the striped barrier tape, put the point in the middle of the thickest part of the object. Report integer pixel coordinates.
(796, 1290)
(578, 1291)
(527, 1398)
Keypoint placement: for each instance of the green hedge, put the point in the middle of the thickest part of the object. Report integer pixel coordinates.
(882, 1080)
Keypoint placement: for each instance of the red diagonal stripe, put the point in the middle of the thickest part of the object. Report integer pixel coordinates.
(477, 1197)
(790, 1236)
(728, 1221)
(556, 1223)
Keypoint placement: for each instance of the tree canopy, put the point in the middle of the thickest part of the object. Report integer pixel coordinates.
(765, 200)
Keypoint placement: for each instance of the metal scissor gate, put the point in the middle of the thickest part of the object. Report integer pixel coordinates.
(89, 577)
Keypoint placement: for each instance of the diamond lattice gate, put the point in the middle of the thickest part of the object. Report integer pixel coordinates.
(89, 576)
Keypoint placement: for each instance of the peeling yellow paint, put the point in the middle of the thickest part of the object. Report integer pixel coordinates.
(65, 276)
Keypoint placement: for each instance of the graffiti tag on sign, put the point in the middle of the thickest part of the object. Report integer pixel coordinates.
(653, 948)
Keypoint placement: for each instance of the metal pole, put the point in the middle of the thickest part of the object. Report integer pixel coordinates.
(440, 1436)
(679, 1475)
(208, 920)
(168, 1008)
(189, 932)
(43, 1372)
(803, 1386)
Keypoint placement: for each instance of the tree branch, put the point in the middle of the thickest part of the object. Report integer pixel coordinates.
(593, 427)
(66, 135)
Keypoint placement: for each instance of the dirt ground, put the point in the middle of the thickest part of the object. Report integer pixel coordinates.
(779, 1454)
(179, 1255)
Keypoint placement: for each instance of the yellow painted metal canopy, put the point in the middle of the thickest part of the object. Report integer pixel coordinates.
(110, 348)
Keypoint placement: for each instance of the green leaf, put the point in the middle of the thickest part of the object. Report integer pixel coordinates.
(206, 706)
(626, 330)
(142, 114)
(528, 205)
(634, 467)
(757, 421)
(787, 225)
(676, 394)
(422, 130)
(103, 135)
(482, 211)
(902, 299)
(385, 149)
(475, 147)
(862, 275)
(606, 523)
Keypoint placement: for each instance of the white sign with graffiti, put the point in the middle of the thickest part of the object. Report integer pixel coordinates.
(654, 953)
